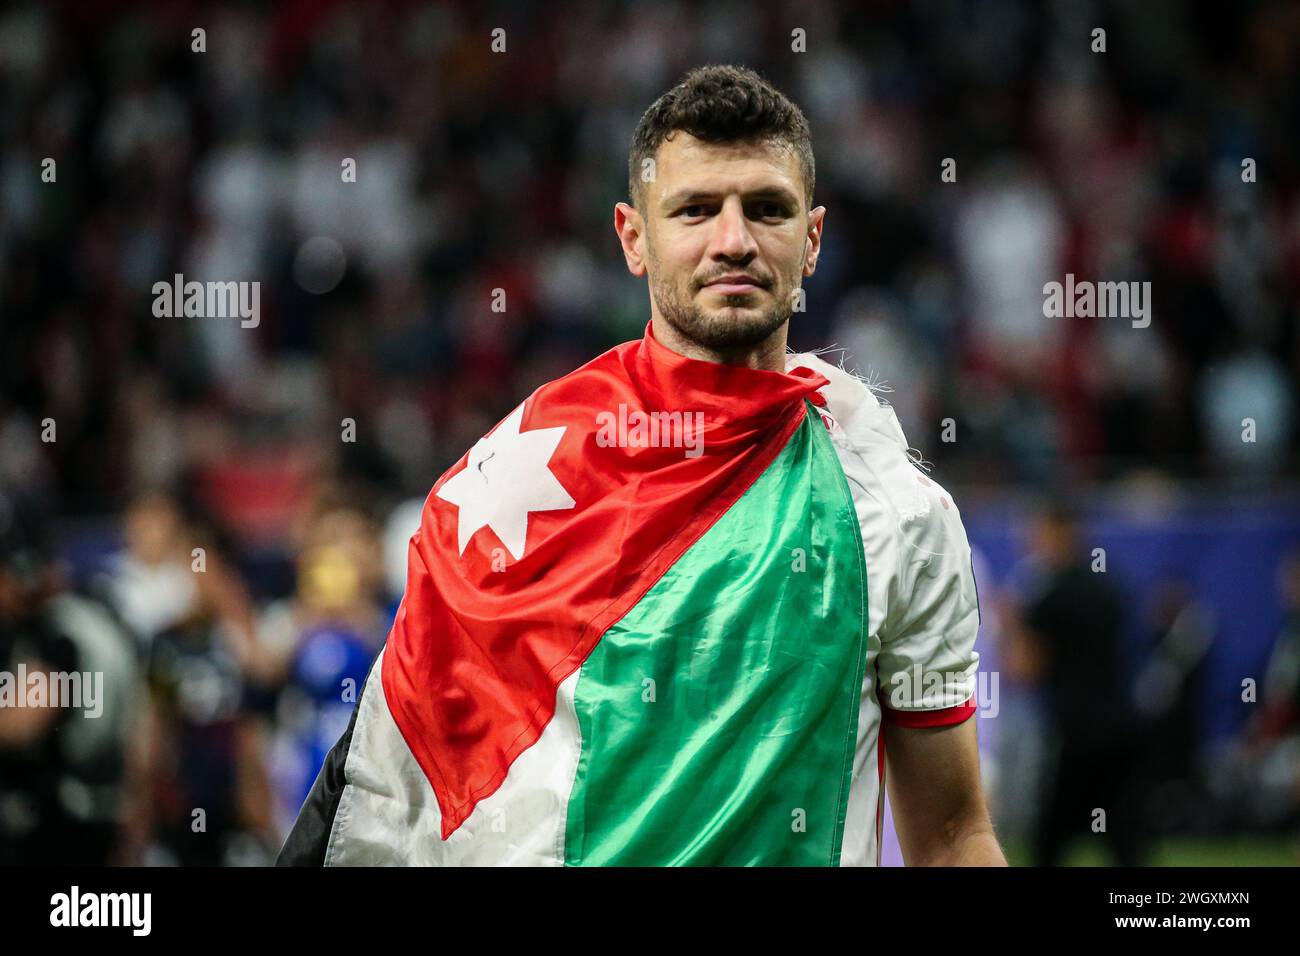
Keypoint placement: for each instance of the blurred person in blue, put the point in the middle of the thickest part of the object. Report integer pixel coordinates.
(327, 633)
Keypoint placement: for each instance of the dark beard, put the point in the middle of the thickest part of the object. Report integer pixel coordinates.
(719, 333)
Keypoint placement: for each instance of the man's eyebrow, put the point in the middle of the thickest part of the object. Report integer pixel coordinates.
(689, 195)
(683, 196)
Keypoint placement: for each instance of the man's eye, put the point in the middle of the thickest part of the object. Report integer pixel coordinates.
(693, 211)
(771, 210)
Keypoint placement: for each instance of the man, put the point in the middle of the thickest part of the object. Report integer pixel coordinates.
(67, 680)
(1071, 631)
(648, 617)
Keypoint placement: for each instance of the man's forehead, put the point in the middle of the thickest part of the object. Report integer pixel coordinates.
(685, 162)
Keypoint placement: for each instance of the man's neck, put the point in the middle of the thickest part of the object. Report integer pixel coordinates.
(768, 354)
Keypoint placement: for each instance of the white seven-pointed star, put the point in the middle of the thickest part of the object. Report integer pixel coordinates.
(506, 477)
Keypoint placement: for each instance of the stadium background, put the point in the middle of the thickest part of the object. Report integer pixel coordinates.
(481, 170)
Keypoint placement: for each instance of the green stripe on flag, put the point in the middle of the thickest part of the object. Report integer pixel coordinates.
(719, 716)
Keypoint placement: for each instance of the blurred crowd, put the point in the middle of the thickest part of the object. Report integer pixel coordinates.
(218, 709)
(289, 458)
(478, 170)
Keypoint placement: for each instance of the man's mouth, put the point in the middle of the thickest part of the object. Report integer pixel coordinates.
(734, 284)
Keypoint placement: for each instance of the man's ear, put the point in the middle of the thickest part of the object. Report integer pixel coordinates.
(630, 228)
(813, 246)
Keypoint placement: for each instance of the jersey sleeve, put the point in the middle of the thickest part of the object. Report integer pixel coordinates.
(927, 664)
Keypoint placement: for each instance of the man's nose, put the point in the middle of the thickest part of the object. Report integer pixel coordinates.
(732, 239)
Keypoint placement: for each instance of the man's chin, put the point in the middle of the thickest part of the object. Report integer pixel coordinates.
(747, 308)
(734, 326)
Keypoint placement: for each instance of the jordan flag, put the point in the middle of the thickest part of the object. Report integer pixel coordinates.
(633, 632)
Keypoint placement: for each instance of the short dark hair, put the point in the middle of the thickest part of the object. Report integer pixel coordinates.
(722, 104)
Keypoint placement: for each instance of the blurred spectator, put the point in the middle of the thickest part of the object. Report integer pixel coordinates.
(151, 581)
(61, 761)
(1071, 629)
(328, 633)
(1280, 697)
(1272, 740)
(1169, 694)
(200, 793)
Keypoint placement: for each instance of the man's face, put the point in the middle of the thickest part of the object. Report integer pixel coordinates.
(1053, 540)
(725, 236)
